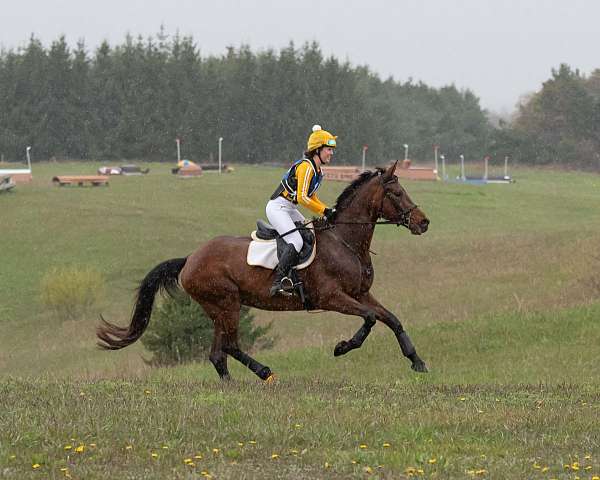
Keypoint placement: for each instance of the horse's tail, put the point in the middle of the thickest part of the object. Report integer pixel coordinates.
(162, 277)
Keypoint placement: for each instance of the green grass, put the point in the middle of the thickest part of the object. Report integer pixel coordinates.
(505, 394)
(500, 298)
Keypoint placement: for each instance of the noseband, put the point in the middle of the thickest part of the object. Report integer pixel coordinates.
(405, 213)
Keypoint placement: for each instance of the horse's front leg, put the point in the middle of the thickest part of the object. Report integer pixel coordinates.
(388, 318)
(342, 303)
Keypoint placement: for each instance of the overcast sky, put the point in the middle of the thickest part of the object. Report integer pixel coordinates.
(499, 49)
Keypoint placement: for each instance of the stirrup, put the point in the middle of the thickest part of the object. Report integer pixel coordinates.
(284, 287)
(287, 285)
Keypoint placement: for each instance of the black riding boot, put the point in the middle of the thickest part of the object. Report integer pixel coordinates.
(289, 259)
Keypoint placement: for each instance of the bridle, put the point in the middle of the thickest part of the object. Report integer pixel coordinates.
(404, 220)
(405, 213)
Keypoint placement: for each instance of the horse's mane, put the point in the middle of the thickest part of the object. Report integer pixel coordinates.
(348, 194)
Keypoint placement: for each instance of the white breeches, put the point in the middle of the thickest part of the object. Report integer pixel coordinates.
(282, 214)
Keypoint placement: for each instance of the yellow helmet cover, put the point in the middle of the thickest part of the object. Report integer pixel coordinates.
(320, 138)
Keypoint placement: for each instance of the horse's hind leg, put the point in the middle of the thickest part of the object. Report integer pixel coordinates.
(226, 316)
(232, 348)
(217, 356)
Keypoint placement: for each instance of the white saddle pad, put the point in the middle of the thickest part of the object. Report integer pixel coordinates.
(263, 253)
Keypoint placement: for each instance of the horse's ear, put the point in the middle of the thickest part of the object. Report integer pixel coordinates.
(389, 173)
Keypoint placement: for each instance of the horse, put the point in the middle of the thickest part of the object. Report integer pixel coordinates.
(218, 277)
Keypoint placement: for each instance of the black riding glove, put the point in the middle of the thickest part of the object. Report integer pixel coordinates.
(328, 214)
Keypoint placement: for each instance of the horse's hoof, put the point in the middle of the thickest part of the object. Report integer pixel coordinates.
(271, 379)
(341, 348)
(419, 367)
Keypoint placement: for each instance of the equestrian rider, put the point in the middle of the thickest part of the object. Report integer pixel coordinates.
(299, 186)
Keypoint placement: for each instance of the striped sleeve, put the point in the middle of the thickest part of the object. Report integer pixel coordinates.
(304, 174)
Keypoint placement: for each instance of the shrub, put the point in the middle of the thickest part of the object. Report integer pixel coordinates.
(180, 332)
(72, 291)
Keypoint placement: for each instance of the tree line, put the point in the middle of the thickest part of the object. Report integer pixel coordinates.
(131, 101)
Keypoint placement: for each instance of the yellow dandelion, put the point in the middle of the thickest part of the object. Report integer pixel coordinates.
(536, 466)
(566, 466)
(82, 394)
(64, 469)
(147, 392)
(298, 425)
(154, 455)
(575, 466)
(68, 447)
(386, 445)
(588, 457)
(595, 477)
(420, 471)
(191, 464)
(462, 399)
(80, 449)
(545, 469)
(410, 471)
(327, 465)
(589, 467)
(432, 460)
(187, 460)
(93, 445)
(368, 470)
(204, 473)
(12, 457)
(128, 447)
(293, 451)
(481, 471)
(198, 457)
(362, 446)
(165, 447)
(274, 456)
(353, 462)
(216, 451)
(252, 442)
(240, 444)
(35, 466)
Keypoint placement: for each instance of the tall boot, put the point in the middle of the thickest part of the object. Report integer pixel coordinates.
(289, 259)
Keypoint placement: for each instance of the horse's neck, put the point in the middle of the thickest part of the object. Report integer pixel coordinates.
(356, 234)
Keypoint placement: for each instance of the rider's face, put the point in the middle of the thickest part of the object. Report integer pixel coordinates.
(326, 155)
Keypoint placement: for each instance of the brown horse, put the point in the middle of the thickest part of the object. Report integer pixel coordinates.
(339, 279)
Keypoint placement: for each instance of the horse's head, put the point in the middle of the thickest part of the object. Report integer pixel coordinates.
(398, 207)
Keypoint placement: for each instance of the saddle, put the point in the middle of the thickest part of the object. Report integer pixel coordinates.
(266, 245)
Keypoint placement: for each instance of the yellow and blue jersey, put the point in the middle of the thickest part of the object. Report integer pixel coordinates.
(300, 184)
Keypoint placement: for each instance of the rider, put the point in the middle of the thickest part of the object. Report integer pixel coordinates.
(299, 186)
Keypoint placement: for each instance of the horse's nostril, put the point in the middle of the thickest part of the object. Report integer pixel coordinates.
(424, 222)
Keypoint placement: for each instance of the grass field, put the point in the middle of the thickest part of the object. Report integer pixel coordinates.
(501, 297)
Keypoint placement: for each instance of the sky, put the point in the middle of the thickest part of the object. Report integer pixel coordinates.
(500, 49)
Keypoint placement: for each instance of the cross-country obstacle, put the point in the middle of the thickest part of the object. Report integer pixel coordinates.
(405, 170)
(475, 180)
(6, 183)
(341, 174)
(80, 180)
(19, 175)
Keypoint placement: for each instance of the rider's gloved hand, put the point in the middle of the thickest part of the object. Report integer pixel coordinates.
(328, 214)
